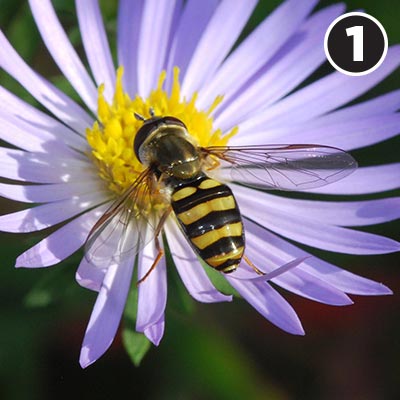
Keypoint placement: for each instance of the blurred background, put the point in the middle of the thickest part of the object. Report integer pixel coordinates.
(221, 351)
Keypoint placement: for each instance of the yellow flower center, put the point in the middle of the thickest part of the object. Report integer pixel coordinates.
(112, 136)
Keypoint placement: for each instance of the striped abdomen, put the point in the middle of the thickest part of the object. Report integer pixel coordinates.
(210, 218)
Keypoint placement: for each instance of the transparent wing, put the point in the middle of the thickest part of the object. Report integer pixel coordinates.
(283, 167)
(125, 228)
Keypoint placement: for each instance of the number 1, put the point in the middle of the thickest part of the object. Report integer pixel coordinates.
(358, 35)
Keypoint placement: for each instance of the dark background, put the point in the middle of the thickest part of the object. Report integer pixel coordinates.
(222, 351)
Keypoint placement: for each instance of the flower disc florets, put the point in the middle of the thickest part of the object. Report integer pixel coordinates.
(112, 136)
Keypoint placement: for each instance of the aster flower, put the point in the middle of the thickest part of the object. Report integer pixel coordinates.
(178, 60)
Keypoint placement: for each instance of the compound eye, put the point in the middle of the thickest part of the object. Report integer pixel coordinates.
(142, 134)
(173, 121)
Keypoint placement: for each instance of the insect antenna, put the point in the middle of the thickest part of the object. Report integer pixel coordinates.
(139, 117)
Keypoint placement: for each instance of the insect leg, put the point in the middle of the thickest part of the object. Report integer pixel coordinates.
(259, 272)
(158, 246)
(154, 265)
(212, 164)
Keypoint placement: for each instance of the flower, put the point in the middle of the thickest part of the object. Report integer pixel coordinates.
(76, 160)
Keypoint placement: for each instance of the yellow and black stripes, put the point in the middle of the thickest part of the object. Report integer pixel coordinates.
(209, 217)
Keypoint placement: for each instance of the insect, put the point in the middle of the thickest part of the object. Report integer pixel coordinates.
(176, 180)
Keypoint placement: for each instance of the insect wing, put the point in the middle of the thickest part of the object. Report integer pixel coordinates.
(283, 167)
(124, 229)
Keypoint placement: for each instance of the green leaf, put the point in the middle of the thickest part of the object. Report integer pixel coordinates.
(221, 367)
(137, 345)
(23, 34)
(62, 83)
(51, 287)
(219, 281)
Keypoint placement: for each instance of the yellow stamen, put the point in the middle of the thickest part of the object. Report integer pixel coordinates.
(112, 137)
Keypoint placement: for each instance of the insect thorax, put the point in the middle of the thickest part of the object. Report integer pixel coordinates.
(169, 151)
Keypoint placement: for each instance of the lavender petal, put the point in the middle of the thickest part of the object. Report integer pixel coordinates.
(13, 105)
(269, 303)
(232, 15)
(152, 292)
(194, 19)
(365, 180)
(296, 280)
(46, 215)
(189, 268)
(129, 21)
(44, 92)
(60, 244)
(48, 193)
(309, 231)
(337, 277)
(25, 136)
(256, 50)
(107, 312)
(385, 104)
(293, 63)
(346, 135)
(62, 51)
(96, 46)
(43, 168)
(155, 26)
(320, 97)
(339, 213)
(155, 332)
(90, 276)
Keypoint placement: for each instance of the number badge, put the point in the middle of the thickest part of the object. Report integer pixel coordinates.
(356, 43)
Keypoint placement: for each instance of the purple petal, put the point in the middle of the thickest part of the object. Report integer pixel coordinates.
(266, 257)
(320, 97)
(18, 108)
(256, 50)
(43, 91)
(381, 105)
(107, 312)
(293, 63)
(43, 168)
(90, 276)
(216, 43)
(46, 215)
(48, 193)
(365, 180)
(156, 23)
(129, 20)
(347, 135)
(90, 273)
(25, 136)
(344, 280)
(337, 277)
(340, 213)
(309, 231)
(96, 46)
(195, 17)
(189, 268)
(60, 244)
(269, 303)
(155, 332)
(62, 51)
(152, 292)
(308, 286)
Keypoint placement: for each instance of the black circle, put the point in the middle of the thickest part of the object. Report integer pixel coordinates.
(340, 46)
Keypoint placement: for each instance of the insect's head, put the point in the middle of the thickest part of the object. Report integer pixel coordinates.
(149, 127)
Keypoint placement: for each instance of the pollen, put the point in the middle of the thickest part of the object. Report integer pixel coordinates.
(111, 137)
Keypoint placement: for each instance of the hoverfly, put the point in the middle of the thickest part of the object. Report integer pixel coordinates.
(177, 176)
